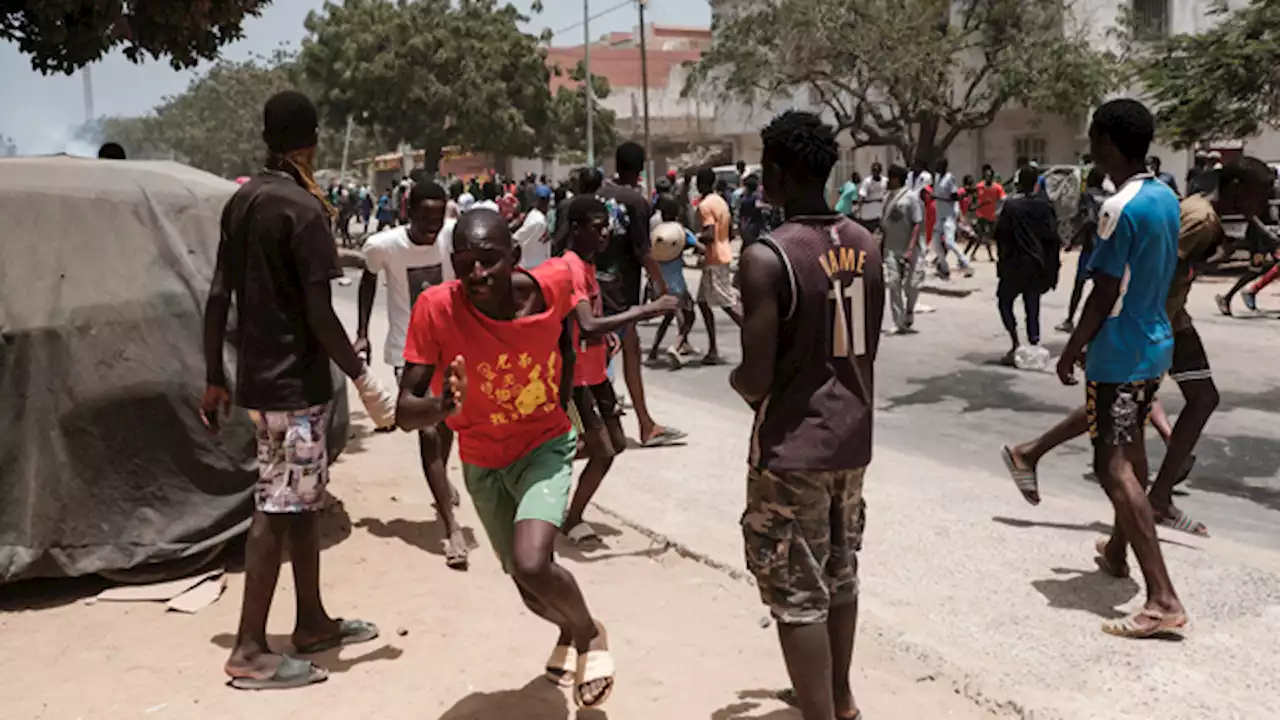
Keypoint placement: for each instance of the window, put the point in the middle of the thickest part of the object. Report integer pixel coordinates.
(1150, 19)
(1031, 147)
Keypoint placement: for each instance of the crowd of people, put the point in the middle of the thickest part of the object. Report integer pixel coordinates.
(503, 319)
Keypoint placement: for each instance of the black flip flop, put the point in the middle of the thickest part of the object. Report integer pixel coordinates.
(292, 673)
(350, 632)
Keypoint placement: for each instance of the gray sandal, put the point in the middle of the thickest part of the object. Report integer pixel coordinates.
(350, 632)
(291, 673)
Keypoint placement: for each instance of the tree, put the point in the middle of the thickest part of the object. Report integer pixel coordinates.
(566, 129)
(912, 74)
(216, 123)
(140, 136)
(65, 35)
(432, 73)
(1220, 84)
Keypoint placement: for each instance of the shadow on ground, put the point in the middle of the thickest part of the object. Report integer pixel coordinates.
(335, 660)
(1224, 461)
(1088, 590)
(425, 535)
(751, 700)
(538, 700)
(979, 390)
(594, 551)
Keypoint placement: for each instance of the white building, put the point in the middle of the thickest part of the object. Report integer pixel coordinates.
(1017, 131)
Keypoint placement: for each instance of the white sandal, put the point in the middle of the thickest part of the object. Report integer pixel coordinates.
(581, 533)
(594, 665)
(562, 665)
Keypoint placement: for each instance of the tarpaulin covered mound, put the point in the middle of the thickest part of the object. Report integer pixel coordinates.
(104, 463)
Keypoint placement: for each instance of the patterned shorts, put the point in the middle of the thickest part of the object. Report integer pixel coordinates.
(803, 530)
(716, 288)
(293, 459)
(1118, 412)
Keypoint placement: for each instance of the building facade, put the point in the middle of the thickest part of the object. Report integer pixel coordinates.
(1017, 131)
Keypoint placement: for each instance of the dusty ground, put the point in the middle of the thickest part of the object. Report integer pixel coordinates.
(688, 639)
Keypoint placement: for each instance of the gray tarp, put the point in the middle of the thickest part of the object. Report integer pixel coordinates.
(104, 463)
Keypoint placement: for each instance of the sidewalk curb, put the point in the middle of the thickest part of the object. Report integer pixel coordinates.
(939, 669)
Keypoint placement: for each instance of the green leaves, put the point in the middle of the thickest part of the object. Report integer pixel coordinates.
(1220, 84)
(912, 74)
(216, 123)
(432, 73)
(64, 35)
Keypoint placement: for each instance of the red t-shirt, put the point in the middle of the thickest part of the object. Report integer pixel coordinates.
(989, 197)
(513, 366)
(509, 206)
(930, 209)
(592, 367)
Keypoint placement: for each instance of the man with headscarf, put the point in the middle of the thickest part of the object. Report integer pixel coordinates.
(277, 257)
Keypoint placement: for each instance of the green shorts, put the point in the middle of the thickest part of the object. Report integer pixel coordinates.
(535, 487)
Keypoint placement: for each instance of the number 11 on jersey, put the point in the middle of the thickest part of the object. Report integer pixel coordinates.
(850, 321)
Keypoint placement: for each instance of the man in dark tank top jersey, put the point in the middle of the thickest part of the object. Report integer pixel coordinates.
(813, 300)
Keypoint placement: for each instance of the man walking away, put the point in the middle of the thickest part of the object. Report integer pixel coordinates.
(815, 299)
(945, 198)
(1090, 207)
(716, 289)
(276, 257)
(1130, 346)
(415, 257)
(903, 250)
(1027, 243)
(871, 198)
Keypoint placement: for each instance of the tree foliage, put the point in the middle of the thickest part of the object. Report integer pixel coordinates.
(566, 129)
(912, 74)
(432, 73)
(1223, 83)
(65, 35)
(216, 123)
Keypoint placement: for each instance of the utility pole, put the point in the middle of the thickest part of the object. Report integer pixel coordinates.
(88, 94)
(346, 150)
(644, 93)
(586, 61)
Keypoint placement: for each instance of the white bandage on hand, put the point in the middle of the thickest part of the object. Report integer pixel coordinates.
(378, 401)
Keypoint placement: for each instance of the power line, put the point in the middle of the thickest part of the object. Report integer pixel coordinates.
(602, 13)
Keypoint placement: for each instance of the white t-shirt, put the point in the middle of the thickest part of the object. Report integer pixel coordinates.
(918, 182)
(410, 269)
(533, 241)
(944, 196)
(871, 194)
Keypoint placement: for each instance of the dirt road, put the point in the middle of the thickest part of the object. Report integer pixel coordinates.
(688, 639)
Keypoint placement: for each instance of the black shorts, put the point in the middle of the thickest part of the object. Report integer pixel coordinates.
(1190, 362)
(1118, 412)
(595, 404)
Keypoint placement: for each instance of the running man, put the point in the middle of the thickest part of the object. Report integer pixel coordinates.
(814, 296)
(593, 394)
(1130, 340)
(487, 353)
(276, 257)
(415, 257)
(903, 250)
(1243, 189)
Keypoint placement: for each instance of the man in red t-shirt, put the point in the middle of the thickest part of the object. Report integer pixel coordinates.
(499, 335)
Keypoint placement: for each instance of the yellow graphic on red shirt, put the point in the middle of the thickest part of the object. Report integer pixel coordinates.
(537, 390)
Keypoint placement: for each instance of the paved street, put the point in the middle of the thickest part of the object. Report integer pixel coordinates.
(1000, 598)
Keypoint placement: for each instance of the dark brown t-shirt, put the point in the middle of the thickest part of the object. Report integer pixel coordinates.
(818, 413)
(276, 240)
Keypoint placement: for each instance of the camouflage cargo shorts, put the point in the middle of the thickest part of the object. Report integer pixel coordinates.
(803, 530)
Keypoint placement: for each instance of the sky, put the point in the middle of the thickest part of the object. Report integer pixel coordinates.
(40, 112)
